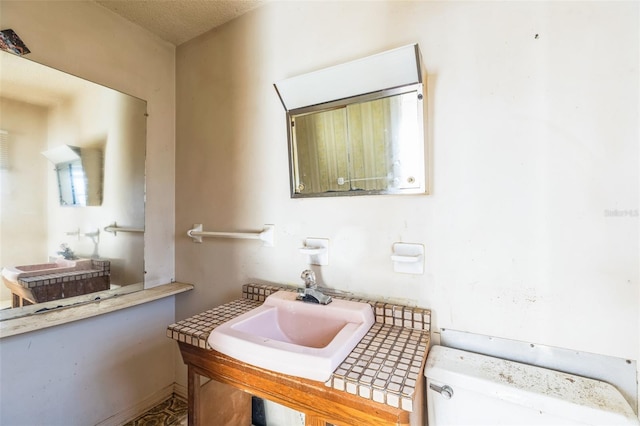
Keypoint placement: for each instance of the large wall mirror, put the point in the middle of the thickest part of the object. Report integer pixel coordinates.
(72, 171)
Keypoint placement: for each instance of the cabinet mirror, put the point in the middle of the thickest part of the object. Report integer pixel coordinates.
(370, 144)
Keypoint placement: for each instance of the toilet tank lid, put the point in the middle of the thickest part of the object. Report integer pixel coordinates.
(566, 395)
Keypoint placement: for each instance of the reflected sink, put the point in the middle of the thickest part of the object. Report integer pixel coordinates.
(13, 273)
(293, 337)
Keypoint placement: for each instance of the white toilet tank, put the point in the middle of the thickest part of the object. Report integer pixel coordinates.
(491, 391)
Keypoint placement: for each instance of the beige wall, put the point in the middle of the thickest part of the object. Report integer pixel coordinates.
(533, 112)
(88, 371)
(23, 187)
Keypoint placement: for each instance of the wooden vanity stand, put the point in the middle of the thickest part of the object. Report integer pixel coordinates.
(380, 382)
(321, 404)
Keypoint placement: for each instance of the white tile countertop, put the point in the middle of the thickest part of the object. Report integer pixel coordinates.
(384, 367)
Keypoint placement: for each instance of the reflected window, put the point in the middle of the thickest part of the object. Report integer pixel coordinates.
(79, 172)
(72, 186)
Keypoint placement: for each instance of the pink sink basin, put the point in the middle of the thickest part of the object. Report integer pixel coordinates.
(295, 338)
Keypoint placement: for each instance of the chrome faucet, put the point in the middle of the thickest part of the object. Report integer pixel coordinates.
(310, 293)
(309, 278)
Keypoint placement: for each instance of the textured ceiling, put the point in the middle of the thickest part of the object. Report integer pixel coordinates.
(177, 21)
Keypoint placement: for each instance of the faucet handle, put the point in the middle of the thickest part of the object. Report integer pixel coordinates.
(309, 278)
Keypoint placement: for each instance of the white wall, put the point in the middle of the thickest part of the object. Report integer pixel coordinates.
(533, 126)
(83, 372)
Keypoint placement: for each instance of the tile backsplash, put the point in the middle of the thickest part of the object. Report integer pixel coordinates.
(386, 313)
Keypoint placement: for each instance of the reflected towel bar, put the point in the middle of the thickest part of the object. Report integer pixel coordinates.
(81, 234)
(115, 229)
(267, 235)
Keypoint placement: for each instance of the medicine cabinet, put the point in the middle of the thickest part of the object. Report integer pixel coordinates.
(358, 128)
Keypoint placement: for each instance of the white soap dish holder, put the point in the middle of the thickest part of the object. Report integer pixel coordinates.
(408, 258)
(317, 249)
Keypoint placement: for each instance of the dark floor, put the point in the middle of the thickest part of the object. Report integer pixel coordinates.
(170, 412)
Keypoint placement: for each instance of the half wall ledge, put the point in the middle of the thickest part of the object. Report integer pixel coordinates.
(39, 321)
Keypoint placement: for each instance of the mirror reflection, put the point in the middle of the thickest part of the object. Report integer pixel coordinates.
(79, 174)
(51, 254)
(72, 184)
(371, 144)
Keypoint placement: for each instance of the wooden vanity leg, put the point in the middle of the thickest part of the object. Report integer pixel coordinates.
(310, 420)
(194, 396)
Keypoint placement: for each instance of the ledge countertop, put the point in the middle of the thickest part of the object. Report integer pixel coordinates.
(386, 366)
(87, 306)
